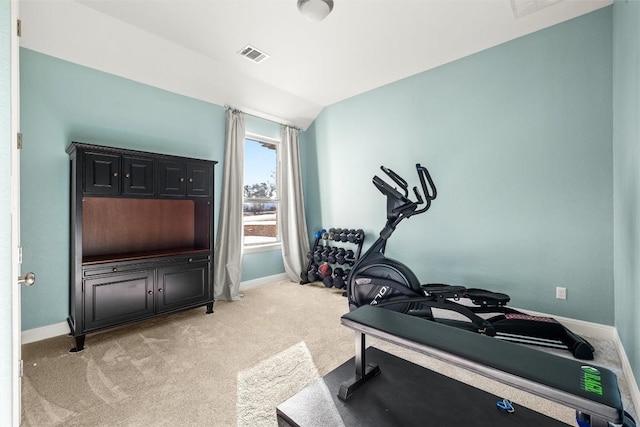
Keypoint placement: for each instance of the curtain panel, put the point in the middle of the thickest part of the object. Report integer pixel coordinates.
(293, 225)
(227, 269)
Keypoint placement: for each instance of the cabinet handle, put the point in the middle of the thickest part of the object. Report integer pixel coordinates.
(150, 292)
(181, 179)
(115, 174)
(190, 179)
(115, 269)
(127, 176)
(160, 290)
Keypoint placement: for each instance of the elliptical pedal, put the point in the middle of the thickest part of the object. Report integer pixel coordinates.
(485, 298)
(440, 290)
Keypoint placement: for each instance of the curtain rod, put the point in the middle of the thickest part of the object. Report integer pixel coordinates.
(229, 107)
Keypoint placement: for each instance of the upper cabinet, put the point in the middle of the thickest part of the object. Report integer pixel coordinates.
(102, 174)
(115, 174)
(184, 178)
(137, 176)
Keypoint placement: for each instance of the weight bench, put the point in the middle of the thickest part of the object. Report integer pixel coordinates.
(592, 391)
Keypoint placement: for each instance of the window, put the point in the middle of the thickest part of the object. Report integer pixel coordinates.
(261, 196)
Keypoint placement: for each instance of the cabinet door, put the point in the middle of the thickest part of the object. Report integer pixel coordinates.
(101, 174)
(138, 176)
(199, 179)
(118, 298)
(183, 285)
(171, 178)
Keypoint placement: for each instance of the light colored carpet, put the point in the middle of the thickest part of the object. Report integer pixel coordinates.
(188, 368)
(271, 382)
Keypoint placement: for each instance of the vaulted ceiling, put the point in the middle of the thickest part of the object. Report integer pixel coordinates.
(191, 46)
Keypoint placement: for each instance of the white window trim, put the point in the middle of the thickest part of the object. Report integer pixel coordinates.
(271, 246)
(261, 247)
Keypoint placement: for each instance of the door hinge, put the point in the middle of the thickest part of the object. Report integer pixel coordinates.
(19, 254)
(19, 28)
(19, 140)
(21, 368)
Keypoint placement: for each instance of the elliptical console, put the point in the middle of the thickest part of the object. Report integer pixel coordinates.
(385, 282)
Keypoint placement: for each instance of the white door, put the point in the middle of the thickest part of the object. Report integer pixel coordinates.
(16, 256)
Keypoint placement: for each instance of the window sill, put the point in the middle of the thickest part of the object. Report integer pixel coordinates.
(252, 249)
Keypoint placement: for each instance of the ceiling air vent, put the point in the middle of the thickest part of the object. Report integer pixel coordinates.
(525, 7)
(253, 54)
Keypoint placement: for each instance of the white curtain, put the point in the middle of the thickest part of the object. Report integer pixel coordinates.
(227, 269)
(293, 226)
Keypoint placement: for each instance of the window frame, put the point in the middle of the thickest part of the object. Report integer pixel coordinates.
(270, 246)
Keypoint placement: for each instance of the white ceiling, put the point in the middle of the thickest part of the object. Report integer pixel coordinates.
(190, 46)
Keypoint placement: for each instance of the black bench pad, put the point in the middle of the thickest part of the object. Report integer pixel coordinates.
(556, 378)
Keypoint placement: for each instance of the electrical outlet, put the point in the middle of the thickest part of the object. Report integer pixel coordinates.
(561, 293)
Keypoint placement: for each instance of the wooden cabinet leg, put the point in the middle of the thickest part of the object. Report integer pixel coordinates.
(79, 344)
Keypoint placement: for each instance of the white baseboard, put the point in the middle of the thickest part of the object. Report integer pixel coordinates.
(628, 373)
(44, 332)
(62, 328)
(260, 281)
(580, 327)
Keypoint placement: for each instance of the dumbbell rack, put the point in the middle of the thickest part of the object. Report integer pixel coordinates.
(332, 253)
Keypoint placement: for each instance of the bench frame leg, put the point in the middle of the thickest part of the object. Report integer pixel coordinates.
(364, 372)
(598, 422)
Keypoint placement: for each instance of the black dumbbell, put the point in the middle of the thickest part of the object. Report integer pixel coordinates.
(344, 236)
(328, 281)
(317, 254)
(325, 253)
(349, 237)
(331, 258)
(312, 274)
(357, 236)
(345, 257)
(338, 278)
(337, 255)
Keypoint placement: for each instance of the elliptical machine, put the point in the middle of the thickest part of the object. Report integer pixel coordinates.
(385, 282)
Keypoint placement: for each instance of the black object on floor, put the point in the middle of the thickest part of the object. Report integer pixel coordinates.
(404, 394)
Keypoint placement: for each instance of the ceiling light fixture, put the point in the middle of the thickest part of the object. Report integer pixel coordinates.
(315, 10)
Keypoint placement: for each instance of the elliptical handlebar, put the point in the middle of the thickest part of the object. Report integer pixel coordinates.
(399, 206)
(428, 188)
(397, 179)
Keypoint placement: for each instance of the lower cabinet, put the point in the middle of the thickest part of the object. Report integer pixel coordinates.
(118, 298)
(182, 285)
(117, 293)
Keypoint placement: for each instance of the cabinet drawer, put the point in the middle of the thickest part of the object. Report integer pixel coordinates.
(99, 270)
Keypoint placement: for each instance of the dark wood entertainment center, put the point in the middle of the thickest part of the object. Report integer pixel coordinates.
(141, 236)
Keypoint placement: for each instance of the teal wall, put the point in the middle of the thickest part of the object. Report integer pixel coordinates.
(6, 281)
(63, 102)
(518, 141)
(626, 178)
